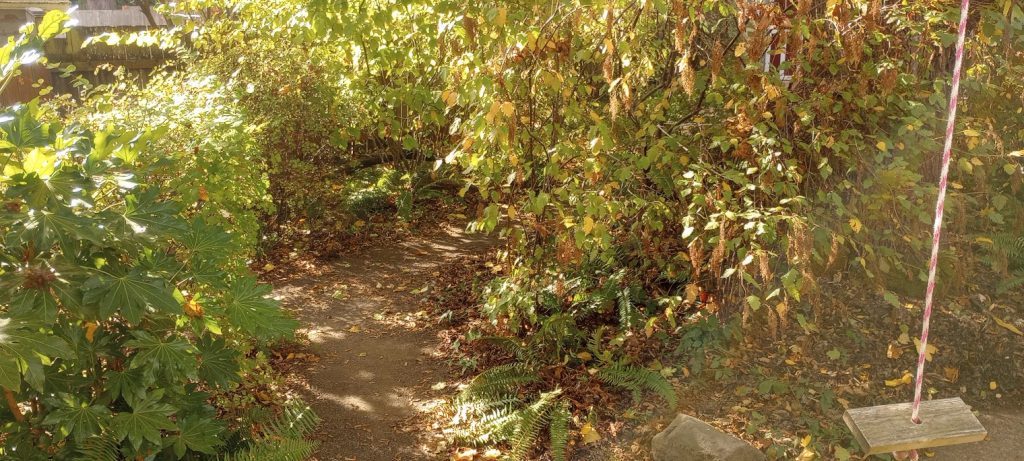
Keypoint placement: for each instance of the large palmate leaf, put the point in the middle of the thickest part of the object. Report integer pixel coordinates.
(198, 434)
(131, 294)
(78, 418)
(21, 346)
(146, 214)
(62, 227)
(173, 356)
(250, 310)
(218, 364)
(144, 423)
(207, 241)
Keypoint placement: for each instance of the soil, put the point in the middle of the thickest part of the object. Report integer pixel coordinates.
(380, 373)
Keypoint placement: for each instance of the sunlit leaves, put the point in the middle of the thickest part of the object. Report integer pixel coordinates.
(249, 309)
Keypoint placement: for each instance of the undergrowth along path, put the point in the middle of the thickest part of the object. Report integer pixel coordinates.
(379, 374)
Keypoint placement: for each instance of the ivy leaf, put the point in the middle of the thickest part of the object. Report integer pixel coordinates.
(144, 423)
(198, 434)
(250, 310)
(77, 418)
(218, 364)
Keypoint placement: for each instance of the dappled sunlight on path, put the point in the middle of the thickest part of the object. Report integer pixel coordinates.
(378, 355)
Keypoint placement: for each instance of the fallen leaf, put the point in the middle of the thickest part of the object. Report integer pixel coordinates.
(268, 267)
(907, 378)
(492, 453)
(1007, 325)
(931, 349)
(355, 329)
(952, 374)
(993, 385)
(464, 454)
(584, 356)
(589, 434)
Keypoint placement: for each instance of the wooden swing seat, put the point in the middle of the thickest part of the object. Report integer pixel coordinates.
(888, 428)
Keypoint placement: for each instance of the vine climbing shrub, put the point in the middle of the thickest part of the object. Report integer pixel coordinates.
(122, 310)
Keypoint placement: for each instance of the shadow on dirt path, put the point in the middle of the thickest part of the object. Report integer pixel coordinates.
(379, 362)
(1005, 439)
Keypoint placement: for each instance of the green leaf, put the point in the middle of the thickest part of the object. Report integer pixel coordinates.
(218, 364)
(10, 372)
(198, 434)
(52, 24)
(144, 423)
(131, 294)
(250, 310)
(174, 356)
(77, 418)
(127, 384)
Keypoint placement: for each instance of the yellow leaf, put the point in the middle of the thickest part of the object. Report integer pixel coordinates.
(856, 225)
(907, 378)
(355, 329)
(502, 17)
(952, 374)
(589, 434)
(741, 49)
(1008, 326)
(993, 385)
(584, 356)
(90, 330)
(931, 349)
(971, 133)
(882, 146)
(507, 108)
(268, 267)
(807, 455)
(193, 308)
(983, 240)
(588, 225)
(806, 441)
(492, 453)
(692, 291)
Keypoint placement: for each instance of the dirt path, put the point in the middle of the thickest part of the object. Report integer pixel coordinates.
(379, 369)
(1005, 439)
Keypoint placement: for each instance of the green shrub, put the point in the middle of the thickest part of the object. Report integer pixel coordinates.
(123, 307)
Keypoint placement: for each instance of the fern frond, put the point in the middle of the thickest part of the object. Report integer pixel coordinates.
(1015, 280)
(498, 381)
(276, 450)
(297, 420)
(99, 448)
(559, 430)
(636, 380)
(533, 419)
(505, 344)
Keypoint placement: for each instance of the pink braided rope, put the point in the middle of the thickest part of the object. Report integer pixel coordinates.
(939, 204)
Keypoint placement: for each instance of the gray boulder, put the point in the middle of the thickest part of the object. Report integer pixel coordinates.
(690, 439)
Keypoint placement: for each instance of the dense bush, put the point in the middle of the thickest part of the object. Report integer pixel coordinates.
(650, 159)
(126, 305)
